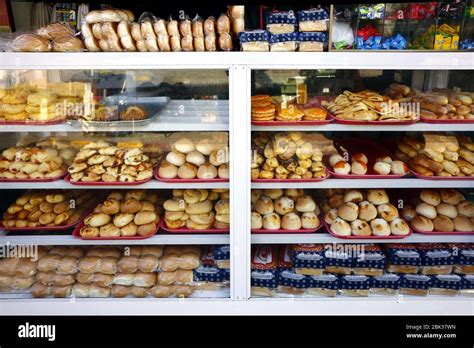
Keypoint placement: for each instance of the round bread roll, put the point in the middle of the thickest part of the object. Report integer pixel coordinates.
(130, 205)
(398, 168)
(422, 223)
(335, 201)
(330, 216)
(203, 219)
(176, 158)
(426, 210)
(144, 217)
(380, 227)
(463, 224)
(192, 196)
(431, 197)
(385, 159)
(223, 171)
(256, 221)
(196, 158)
(466, 208)
(222, 207)
(377, 196)
(205, 146)
(271, 221)
(121, 220)
(443, 223)
(284, 205)
(448, 210)
(309, 220)
(360, 228)
(264, 205)
(187, 171)
(175, 204)
(294, 193)
(387, 212)
(291, 221)
(184, 145)
(305, 204)
(360, 157)
(408, 212)
(341, 227)
(335, 158)
(358, 168)
(341, 167)
(97, 219)
(399, 227)
(273, 193)
(129, 230)
(109, 230)
(451, 196)
(255, 195)
(367, 211)
(207, 171)
(203, 207)
(348, 211)
(382, 168)
(167, 170)
(354, 196)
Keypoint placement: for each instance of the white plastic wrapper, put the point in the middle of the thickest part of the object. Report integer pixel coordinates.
(342, 32)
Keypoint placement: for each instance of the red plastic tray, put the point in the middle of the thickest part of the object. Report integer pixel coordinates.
(178, 180)
(371, 150)
(375, 123)
(434, 233)
(34, 180)
(328, 228)
(312, 230)
(429, 120)
(76, 234)
(452, 178)
(104, 183)
(47, 228)
(32, 123)
(292, 180)
(186, 230)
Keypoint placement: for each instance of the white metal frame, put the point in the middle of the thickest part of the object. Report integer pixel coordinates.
(240, 65)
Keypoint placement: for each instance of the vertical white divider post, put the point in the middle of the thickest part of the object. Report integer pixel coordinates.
(239, 122)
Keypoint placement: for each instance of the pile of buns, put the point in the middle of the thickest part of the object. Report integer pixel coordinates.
(445, 104)
(45, 209)
(444, 210)
(367, 106)
(119, 272)
(124, 214)
(203, 159)
(198, 209)
(290, 209)
(57, 37)
(101, 161)
(116, 31)
(362, 213)
(285, 156)
(383, 165)
(438, 155)
(18, 273)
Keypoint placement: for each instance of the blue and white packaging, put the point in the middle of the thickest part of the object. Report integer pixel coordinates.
(436, 259)
(415, 284)
(254, 40)
(291, 282)
(315, 19)
(284, 42)
(385, 284)
(308, 259)
(281, 22)
(354, 285)
(323, 285)
(467, 285)
(370, 262)
(403, 258)
(312, 41)
(445, 285)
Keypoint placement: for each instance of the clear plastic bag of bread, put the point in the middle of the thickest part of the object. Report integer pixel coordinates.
(68, 44)
(55, 31)
(197, 27)
(146, 21)
(185, 27)
(29, 43)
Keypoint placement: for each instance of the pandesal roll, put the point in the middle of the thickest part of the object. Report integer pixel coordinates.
(422, 223)
(426, 210)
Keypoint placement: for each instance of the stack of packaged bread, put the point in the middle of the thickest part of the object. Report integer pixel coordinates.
(290, 209)
(286, 156)
(444, 210)
(198, 209)
(57, 37)
(124, 214)
(43, 209)
(214, 271)
(368, 213)
(438, 155)
(196, 159)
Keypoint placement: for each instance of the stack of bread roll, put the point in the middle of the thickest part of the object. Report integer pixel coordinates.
(13, 103)
(198, 209)
(43, 209)
(438, 155)
(18, 273)
(124, 214)
(175, 278)
(290, 209)
(445, 104)
(383, 165)
(102, 161)
(34, 163)
(362, 213)
(237, 17)
(285, 156)
(190, 159)
(444, 210)
(57, 37)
